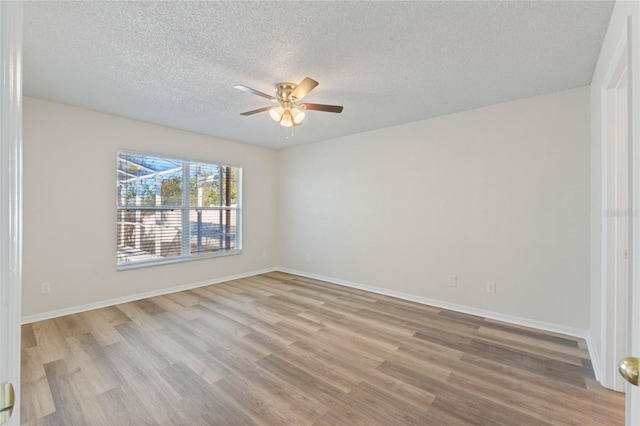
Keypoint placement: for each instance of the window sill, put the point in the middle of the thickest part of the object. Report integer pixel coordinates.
(178, 259)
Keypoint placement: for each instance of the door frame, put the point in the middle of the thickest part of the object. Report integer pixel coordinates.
(614, 309)
(11, 14)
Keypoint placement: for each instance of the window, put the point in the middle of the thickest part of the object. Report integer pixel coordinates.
(171, 209)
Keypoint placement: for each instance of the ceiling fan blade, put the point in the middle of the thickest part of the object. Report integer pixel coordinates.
(307, 85)
(255, 92)
(321, 107)
(255, 111)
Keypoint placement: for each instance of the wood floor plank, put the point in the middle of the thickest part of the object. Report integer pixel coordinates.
(347, 407)
(72, 396)
(251, 288)
(470, 375)
(28, 337)
(460, 403)
(199, 398)
(125, 408)
(295, 401)
(185, 298)
(570, 373)
(100, 374)
(50, 340)
(34, 382)
(352, 363)
(572, 355)
(138, 316)
(535, 404)
(258, 405)
(102, 326)
(401, 411)
(144, 382)
(174, 307)
(280, 349)
(134, 335)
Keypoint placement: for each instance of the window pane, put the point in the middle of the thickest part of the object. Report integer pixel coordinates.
(212, 185)
(145, 180)
(213, 231)
(229, 186)
(148, 235)
(204, 184)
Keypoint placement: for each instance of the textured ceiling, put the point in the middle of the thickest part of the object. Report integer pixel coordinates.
(175, 63)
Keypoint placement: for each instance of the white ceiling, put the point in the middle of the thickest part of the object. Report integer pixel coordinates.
(387, 63)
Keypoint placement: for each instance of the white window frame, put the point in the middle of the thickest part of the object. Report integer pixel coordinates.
(185, 208)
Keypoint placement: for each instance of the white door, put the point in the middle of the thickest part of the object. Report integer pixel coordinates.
(633, 332)
(10, 204)
(633, 294)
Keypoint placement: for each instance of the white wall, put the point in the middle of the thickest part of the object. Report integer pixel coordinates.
(495, 194)
(70, 215)
(617, 29)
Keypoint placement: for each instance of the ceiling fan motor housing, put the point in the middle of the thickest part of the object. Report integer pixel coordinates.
(284, 90)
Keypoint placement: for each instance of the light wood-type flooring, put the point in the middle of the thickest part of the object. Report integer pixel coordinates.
(279, 349)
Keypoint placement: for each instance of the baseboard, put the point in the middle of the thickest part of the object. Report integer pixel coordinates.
(525, 322)
(110, 302)
(594, 354)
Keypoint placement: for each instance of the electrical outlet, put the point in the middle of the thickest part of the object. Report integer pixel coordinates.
(264, 253)
(45, 288)
(308, 257)
(491, 287)
(453, 281)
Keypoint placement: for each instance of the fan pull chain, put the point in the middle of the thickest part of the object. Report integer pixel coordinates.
(291, 135)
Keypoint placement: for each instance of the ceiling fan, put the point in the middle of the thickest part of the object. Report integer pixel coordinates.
(288, 112)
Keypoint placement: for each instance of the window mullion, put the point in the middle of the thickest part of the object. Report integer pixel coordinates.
(186, 212)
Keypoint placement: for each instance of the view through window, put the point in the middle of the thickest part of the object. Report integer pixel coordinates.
(171, 209)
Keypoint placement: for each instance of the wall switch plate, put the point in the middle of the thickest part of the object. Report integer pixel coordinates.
(491, 287)
(45, 288)
(453, 281)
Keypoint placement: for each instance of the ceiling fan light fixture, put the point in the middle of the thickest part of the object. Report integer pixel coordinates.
(276, 113)
(287, 119)
(297, 115)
